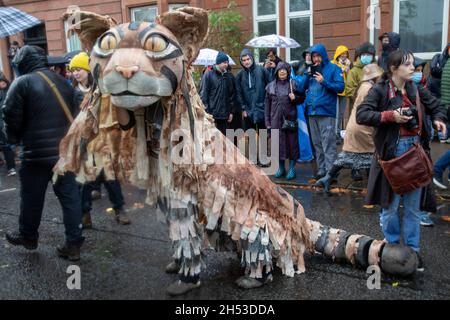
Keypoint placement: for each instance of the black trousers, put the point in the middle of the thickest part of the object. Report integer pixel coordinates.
(34, 179)
(222, 125)
(112, 187)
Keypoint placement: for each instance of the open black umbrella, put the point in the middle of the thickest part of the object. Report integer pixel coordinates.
(13, 21)
(57, 60)
(70, 55)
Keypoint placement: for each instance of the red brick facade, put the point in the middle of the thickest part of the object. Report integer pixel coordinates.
(335, 22)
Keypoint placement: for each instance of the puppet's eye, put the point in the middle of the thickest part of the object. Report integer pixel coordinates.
(155, 43)
(108, 42)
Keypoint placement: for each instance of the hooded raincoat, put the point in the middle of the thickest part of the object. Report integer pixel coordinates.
(279, 107)
(344, 67)
(321, 97)
(251, 88)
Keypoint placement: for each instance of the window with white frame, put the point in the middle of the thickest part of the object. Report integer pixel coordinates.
(422, 25)
(73, 42)
(146, 13)
(374, 25)
(176, 6)
(265, 21)
(299, 26)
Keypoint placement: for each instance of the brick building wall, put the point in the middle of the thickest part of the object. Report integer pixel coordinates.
(335, 22)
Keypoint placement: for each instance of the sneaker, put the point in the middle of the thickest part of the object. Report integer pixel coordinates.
(420, 265)
(17, 239)
(425, 220)
(11, 172)
(437, 180)
(179, 287)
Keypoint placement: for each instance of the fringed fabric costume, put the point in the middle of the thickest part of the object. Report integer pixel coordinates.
(143, 68)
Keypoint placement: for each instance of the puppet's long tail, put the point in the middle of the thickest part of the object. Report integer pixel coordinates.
(362, 251)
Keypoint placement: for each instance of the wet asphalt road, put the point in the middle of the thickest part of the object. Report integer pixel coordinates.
(127, 262)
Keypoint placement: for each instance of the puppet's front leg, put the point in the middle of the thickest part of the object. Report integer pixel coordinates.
(186, 235)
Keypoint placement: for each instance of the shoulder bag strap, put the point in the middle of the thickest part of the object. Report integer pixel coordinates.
(58, 96)
(419, 112)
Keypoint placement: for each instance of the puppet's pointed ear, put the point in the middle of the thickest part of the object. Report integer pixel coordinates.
(190, 26)
(88, 26)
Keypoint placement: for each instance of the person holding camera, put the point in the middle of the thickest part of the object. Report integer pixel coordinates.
(396, 107)
(322, 84)
(281, 113)
(271, 63)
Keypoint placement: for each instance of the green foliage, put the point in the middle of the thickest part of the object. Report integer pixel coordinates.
(224, 31)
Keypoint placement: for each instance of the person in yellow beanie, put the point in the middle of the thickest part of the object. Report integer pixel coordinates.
(83, 81)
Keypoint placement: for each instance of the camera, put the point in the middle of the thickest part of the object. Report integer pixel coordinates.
(413, 123)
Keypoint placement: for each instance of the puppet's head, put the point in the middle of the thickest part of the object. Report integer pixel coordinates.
(140, 63)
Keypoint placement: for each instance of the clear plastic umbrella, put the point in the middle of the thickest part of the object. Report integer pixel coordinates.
(273, 41)
(207, 57)
(13, 21)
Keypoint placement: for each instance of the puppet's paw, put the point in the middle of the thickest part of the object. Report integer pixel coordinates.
(173, 267)
(245, 282)
(178, 288)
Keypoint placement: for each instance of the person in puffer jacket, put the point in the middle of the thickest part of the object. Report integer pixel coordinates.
(322, 85)
(35, 117)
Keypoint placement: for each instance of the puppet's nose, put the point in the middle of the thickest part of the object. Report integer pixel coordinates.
(127, 72)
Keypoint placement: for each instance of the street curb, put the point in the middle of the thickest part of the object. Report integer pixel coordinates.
(445, 196)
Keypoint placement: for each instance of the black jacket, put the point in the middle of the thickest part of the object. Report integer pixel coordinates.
(32, 114)
(218, 93)
(386, 135)
(251, 88)
(436, 68)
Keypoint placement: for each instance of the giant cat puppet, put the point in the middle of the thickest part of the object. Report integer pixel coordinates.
(143, 69)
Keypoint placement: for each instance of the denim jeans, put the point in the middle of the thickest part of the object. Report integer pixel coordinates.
(341, 105)
(442, 164)
(34, 179)
(390, 217)
(112, 187)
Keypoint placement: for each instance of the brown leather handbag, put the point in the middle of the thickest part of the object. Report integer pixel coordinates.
(413, 169)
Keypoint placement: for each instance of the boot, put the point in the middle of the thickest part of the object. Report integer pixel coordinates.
(17, 239)
(291, 173)
(356, 175)
(324, 182)
(179, 287)
(281, 170)
(86, 220)
(69, 251)
(121, 216)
